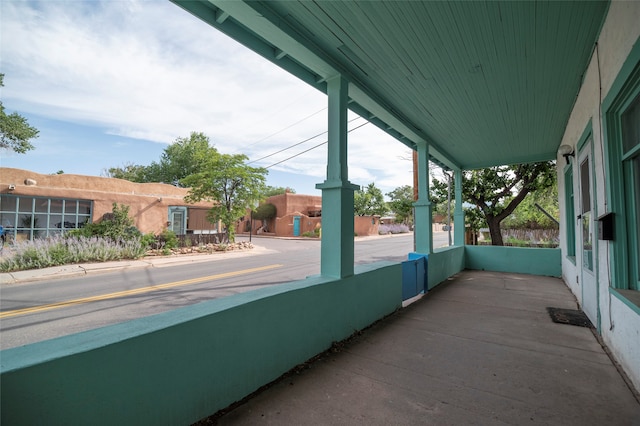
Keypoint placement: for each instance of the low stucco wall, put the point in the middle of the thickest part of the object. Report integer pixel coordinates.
(523, 260)
(366, 225)
(284, 225)
(444, 263)
(180, 366)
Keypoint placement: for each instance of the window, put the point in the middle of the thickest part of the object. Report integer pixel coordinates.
(34, 217)
(622, 144)
(570, 213)
(631, 176)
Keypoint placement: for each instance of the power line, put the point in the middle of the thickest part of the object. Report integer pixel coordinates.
(294, 145)
(286, 128)
(312, 148)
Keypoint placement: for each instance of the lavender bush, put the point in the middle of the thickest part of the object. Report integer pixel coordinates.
(61, 250)
(394, 228)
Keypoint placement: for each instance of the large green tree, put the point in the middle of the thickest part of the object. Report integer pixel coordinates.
(497, 191)
(270, 191)
(369, 201)
(15, 132)
(185, 156)
(232, 186)
(534, 211)
(128, 171)
(401, 203)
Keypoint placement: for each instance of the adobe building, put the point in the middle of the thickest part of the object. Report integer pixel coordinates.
(37, 205)
(297, 214)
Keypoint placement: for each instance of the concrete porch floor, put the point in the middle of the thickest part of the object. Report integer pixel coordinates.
(480, 349)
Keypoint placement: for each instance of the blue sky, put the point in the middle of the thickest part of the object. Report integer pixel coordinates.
(110, 83)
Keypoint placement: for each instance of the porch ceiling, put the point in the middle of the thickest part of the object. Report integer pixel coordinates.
(485, 83)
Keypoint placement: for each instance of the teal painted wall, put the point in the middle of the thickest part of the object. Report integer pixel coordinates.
(444, 263)
(180, 366)
(535, 261)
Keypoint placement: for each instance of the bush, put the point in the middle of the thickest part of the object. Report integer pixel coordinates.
(61, 250)
(116, 225)
(168, 239)
(148, 240)
(265, 211)
(394, 228)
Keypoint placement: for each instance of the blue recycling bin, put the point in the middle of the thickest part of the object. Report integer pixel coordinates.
(414, 275)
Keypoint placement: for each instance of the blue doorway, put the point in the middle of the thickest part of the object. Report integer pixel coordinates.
(296, 226)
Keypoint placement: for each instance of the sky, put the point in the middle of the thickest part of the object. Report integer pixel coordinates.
(111, 83)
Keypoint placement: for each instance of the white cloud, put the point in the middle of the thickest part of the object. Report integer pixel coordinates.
(149, 70)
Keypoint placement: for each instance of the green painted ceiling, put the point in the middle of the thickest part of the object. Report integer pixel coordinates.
(484, 82)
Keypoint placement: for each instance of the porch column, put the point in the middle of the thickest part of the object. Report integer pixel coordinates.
(422, 221)
(458, 213)
(336, 252)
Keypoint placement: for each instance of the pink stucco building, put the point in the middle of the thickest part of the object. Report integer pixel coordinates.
(297, 214)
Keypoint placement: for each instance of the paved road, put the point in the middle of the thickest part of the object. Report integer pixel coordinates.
(40, 310)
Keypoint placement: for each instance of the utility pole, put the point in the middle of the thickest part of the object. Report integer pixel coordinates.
(449, 178)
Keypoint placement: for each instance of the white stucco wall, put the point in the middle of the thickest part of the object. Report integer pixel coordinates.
(619, 324)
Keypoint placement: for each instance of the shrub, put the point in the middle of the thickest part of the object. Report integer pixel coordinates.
(265, 211)
(116, 225)
(394, 228)
(148, 240)
(61, 250)
(168, 239)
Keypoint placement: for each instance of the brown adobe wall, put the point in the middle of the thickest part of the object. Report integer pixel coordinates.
(288, 203)
(284, 225)
(366, 225)
(148, 202)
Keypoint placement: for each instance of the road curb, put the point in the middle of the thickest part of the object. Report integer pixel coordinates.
(68, 271)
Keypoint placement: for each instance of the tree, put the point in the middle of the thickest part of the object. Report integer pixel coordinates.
(265, 212)
(15, 131)
(270, 191)
(401, 203)
(232, 186)
(529, 215)
(369, 202)
(129, 171)
(185, 156)
(497, 191)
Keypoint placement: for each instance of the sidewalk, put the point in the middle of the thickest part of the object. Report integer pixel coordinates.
(102, 267)
(481, 350)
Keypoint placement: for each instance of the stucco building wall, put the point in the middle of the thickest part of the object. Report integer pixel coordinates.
(148, 202)
(618, 322)
(308, 208)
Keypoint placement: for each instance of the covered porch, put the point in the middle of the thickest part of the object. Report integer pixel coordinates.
(465, 85)
(481, 349)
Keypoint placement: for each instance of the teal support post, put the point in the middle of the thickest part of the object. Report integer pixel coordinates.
(336, 252)
(458, 213)
(423, 226)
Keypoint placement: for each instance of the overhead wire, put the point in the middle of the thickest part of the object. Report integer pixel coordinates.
(313, 147)
(285, 128)
(294, 145)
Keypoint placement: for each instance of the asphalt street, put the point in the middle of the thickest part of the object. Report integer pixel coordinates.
(83, 297)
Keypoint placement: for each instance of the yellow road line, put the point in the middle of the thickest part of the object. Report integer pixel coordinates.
(34, 309)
